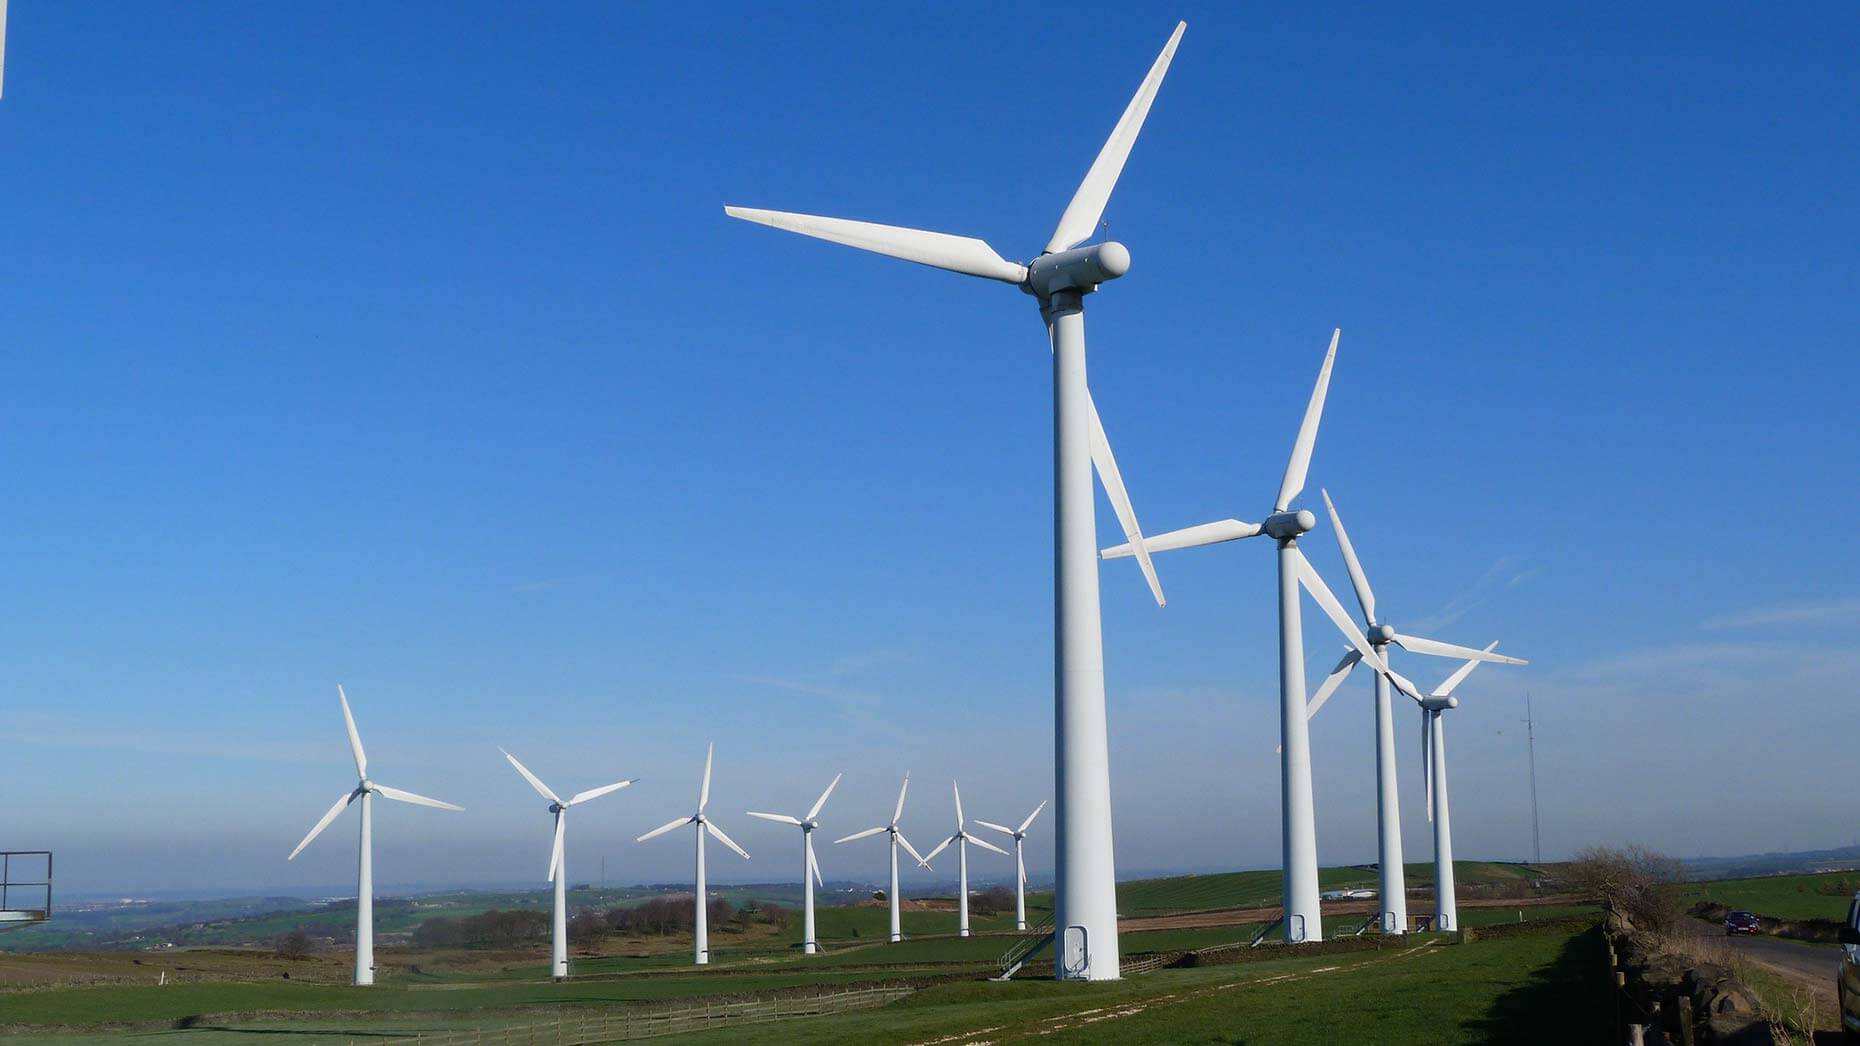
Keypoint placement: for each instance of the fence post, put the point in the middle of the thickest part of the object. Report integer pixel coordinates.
(1685, 1021)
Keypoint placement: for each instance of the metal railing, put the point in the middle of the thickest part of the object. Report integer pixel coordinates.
(24, 901)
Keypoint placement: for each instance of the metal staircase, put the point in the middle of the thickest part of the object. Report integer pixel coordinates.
(1036, 940)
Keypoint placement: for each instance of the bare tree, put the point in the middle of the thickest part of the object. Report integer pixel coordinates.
(1637, 883)
(294, 945)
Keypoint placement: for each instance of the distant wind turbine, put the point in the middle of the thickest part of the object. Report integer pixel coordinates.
(1020, 862)
(810, 870)
(897, 840)
(365, 790)
(558, 872)
(700, 942)
(1434, 758)
(962, 839)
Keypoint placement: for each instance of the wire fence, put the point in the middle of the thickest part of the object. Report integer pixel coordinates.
(621, 1025)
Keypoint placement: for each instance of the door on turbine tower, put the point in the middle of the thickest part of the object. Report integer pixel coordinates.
(1074, 956)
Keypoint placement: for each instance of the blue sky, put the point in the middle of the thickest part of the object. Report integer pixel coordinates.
(407, 346)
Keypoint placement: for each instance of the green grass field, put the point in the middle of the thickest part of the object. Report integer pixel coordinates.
(1821, 896)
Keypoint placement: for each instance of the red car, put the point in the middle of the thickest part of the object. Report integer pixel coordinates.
(1741, 922)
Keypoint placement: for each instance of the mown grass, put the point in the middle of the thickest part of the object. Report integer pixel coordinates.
(1824, 895)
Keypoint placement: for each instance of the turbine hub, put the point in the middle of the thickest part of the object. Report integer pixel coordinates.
(1440, 704)
(1382, 635)
(1287, 526)
(1080, 269)
(367, 785)
(556, 808)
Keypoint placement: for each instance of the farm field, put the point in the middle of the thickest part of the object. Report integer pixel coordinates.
(1823, 895)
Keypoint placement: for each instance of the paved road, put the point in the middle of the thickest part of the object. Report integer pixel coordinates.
(1809, 961)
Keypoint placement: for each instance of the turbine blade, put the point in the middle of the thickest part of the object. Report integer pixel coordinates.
(1003, 829)
(2, 46)
(555, 850)
(1405, 685)
(341, 805)
(814, 863)
(704, 792)
(1417, 645)
(1113, 482)
(355, 738)
(958, 790)
(535, 782)
(859, 835)
(1300, 462)
(931, 856)
(1029, 821)
(596, 793)
(711, 826)
(1332, 682)
(1459, 676)
(402, 796)
(1327, 601)
(814, 811)
(781, 818)
(963, 254)
(1427, 757)
(662, 829)
(912, 850)
(984, 844)
(1188, 537)
(1358, 580)
(899, 812)
(1087, 206)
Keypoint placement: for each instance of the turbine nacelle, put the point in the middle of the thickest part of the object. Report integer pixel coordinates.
(1439, 704)
(1287, 526)
(1381, 635)
(1081, 269)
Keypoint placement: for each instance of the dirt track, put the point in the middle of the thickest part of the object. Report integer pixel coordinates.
(1242, 916)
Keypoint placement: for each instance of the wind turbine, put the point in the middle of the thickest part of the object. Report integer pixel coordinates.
(897, 840)
(1303, 919)
(1434, 757)
(1392, 887)
(810, 870)
(365, 790)
(558, 873)
(701, 923)
(962, 839)
(1020, 862)
(1086, 889)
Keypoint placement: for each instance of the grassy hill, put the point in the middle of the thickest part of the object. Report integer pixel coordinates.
(1822, 896)
(1190, 893)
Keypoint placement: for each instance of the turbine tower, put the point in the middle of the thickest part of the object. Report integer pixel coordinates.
(700, 941)
(897, 840)
(1020, 862)
(1303, 919)
(1392, 885)
(810, 870)
(558, 872)
(1086, 891)
(365, 790)
(962, 839)
(1434, 758)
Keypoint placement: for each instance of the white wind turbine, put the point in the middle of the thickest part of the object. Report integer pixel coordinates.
(962, 839)
(1086, 889)
(558, 871)
(1434, 758)
(810, 870)
(1392, 887)
(365, 790)
(1303, 919)
(897, 840)
(1020, 861)
(701, 924)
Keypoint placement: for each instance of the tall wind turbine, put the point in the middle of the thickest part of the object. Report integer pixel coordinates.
(558, 871)
(365, 790)
(1303, 920)
(810, 870)
(897, 840)
(1059, 279)
(1020, 862)
(962, 839)
(700, 942)
(1392, 886)
(1434, 757)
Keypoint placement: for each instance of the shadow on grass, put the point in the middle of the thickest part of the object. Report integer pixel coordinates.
(1565, 1000)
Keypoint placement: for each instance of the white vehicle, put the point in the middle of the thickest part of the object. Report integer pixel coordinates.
(1848, 984)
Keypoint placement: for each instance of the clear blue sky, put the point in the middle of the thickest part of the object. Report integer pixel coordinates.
(407, 346)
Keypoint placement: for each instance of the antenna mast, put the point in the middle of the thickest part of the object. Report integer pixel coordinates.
(1530, 737)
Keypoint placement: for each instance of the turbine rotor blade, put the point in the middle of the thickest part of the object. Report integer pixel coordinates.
(859, 835)
(1459, 676)
(1427, 757)
(1405, 685)
(963, 254)
(1113, 482)
(958, 790)
(341, 805)
(596, 793)
(1004, 830)
(899, 812)
(940, 847)
(355, 737)
(1332, 682)
(779, 818)
(1358, 580)
(1029, 821)
(555, 849)
(666, 827)
(1327, 601)
(1300, 462)
(814, 811)
(1087, 207)
(814, 864)
(1188, 537)
(911, 849)
(535, 782)
(1417, 645)
(400, 795)
(711, 826)
(984, 844)
(704, 792)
